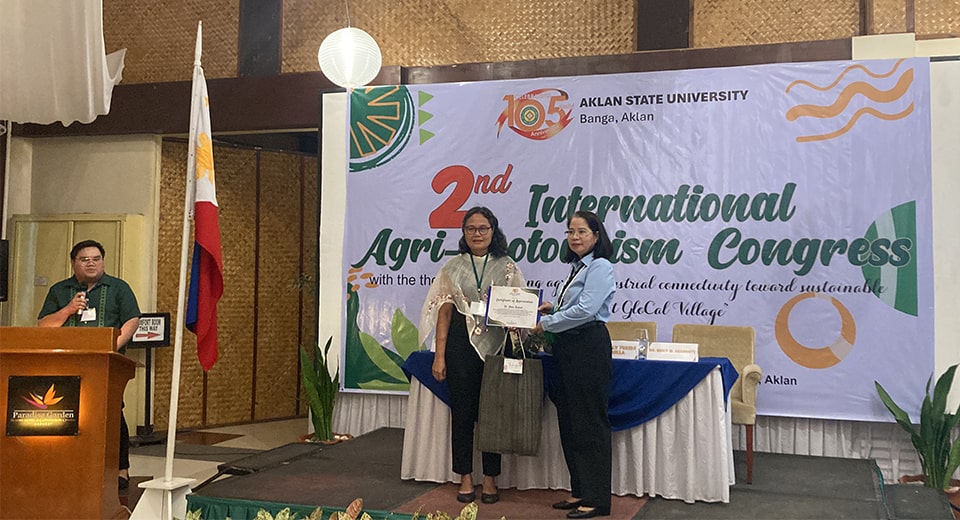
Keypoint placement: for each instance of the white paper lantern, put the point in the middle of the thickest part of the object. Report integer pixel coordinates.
(349, 57)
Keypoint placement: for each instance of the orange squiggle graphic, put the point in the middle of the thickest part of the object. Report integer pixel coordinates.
(851, 90)
(846, 128)
(844, 73)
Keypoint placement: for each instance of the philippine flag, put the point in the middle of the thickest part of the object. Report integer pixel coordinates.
(206, 275)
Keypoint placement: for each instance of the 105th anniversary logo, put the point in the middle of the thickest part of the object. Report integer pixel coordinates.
(539, 114)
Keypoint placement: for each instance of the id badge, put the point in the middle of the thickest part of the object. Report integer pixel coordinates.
(512, 366)
(89, 314)
(478, 308)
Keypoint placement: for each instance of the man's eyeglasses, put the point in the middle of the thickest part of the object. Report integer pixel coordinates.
(579, 233)
(471, 230)
(90, 259)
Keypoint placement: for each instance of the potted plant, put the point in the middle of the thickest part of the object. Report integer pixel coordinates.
(321, 388)
(939, 458)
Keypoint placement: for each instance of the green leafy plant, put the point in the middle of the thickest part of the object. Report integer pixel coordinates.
(353, 512)
(321, 389)
(469, 512)
(938, 457)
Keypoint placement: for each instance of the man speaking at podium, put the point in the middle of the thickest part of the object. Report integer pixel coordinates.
(91, 298)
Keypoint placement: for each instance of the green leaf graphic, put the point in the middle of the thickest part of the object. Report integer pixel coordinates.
(385, 386)
(404, 335)
(381, 358)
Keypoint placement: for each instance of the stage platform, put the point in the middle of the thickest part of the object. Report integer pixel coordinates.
(306, 476)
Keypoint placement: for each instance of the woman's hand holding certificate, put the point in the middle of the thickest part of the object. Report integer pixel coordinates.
(513, 306)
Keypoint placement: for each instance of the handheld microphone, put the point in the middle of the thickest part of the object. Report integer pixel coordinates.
(84, 295)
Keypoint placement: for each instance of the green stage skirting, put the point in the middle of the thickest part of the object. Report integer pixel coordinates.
(212, 508)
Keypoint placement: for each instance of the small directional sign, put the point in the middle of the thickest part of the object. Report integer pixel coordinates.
(154, 331)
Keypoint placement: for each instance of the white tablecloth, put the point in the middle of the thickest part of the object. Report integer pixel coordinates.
(684, 453)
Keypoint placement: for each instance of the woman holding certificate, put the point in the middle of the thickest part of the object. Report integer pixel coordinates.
(582, 351)
(454, 311)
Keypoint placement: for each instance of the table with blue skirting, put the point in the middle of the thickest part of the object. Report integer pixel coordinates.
(671, 431)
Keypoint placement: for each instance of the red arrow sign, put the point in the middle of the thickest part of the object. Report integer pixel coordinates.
(147, 335)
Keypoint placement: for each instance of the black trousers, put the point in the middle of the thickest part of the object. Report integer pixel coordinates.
(464, 373)
(124, 443)
(584, 365)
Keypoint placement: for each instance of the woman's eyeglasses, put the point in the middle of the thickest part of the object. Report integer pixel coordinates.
(579, 233)
(471, 230)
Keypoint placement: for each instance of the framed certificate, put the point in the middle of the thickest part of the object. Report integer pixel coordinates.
(513, 306)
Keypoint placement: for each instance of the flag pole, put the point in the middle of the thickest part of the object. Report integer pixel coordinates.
(181, 291)
(162, 496)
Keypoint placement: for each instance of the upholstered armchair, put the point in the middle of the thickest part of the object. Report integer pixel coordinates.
(627, 330)
(737, 345)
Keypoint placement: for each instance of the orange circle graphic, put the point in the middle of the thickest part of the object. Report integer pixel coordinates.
(818, 358)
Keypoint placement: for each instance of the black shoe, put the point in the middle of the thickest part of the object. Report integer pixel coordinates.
(466, 498)
(563, 504)
(122, 483)
(490, 498)
(588, 513)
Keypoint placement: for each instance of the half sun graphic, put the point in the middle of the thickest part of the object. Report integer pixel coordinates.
(381, 123)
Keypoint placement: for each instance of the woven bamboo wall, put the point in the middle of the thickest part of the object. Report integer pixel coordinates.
(437, 32)
(722, 23)
(311, 225)
(938, 17)
(173, 170)
(160, 37)
(278, 269)
(889, 16)
(260, 324)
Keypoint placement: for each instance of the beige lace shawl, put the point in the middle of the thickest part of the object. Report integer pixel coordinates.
(456, 284)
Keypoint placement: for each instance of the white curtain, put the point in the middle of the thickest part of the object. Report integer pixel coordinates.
(359, 413)
(884, 442)
(53, 65)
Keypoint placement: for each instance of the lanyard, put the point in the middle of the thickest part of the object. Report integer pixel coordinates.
(573, 274)
(479, 277)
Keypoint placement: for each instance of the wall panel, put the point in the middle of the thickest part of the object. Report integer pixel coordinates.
(173, 170)
(229, 390)
(260, 326)
(277, 296)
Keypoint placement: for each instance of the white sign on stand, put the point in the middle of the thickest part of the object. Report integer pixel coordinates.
(663, 351)
(625, 349)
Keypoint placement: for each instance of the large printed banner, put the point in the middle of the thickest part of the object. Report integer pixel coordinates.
(794, 198)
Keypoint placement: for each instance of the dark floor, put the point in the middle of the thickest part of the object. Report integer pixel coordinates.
(784, 487)
(796, 487)
(366, 467)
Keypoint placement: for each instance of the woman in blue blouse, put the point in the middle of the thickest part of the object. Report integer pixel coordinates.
(582, 352)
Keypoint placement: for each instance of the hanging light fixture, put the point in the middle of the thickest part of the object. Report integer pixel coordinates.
(349, 57)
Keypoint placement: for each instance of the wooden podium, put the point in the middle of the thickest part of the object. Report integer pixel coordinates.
(62, 476)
